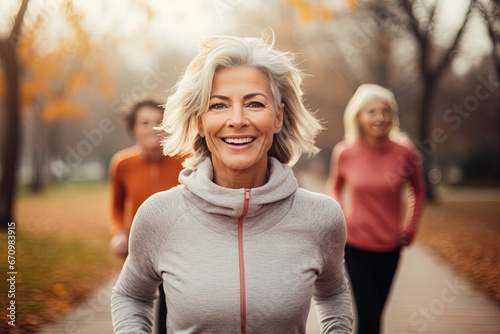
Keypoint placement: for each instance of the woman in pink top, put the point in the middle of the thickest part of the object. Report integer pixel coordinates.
(374, 163)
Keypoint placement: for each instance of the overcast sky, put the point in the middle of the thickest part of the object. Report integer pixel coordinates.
(183, 24)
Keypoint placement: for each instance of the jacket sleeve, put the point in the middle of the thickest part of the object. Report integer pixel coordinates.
(117, 197)
(136, 289)
(332, 295)
(336, 180)
(416, 195)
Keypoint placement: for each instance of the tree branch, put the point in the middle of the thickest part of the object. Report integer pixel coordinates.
(448, 56)
(13, 38)
(489, 16)
(432, 13)
(414, 24)
(421, 35)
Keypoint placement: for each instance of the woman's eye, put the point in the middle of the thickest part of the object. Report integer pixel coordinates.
(255, 105)
(217, 106)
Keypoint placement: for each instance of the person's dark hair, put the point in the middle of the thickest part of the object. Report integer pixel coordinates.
(131, 115)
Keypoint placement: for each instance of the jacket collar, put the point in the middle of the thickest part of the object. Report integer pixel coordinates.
(214, 199)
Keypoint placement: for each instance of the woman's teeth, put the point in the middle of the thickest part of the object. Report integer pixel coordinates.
(238, 140)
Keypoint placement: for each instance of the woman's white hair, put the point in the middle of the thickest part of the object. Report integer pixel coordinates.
(191, 94)
(363, 95)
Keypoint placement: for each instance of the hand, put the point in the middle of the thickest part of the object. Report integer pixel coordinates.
(405, 239)
(119, 244)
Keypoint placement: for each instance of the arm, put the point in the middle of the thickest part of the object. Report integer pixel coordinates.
(335, 182)
(332, 294)
(136, 289)
(119, 241)
(117, 197)
(416, 199)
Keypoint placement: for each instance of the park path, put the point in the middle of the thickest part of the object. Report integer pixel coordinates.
(428, 296)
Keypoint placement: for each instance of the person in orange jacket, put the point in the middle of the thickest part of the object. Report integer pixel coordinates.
(135, 174)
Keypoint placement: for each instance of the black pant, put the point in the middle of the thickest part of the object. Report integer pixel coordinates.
(371, 275)
(161, 320)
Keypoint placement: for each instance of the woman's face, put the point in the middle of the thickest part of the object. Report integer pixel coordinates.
(147, 137)
(241, 120)
(375, 121)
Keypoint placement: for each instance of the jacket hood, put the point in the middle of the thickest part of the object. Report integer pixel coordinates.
(212, 198)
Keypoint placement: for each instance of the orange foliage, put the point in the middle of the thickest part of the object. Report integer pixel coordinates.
(62, 108)
(352, 4)
(53, 70)
(309, 11)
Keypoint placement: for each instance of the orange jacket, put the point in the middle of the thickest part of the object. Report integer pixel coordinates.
(133, 179)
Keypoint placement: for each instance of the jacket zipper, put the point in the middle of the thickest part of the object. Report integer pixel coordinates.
(243, 306)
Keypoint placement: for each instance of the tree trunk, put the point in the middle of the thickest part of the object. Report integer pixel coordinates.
(8, 57)
(11, 134)
(38, 150)
(425, 142)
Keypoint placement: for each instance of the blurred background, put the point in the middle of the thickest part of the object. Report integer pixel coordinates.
(79, 62)
(69, 68)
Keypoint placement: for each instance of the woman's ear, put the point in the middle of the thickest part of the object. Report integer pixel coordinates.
(279, 119)
(201, 131)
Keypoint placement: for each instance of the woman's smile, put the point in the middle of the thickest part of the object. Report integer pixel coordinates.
(240, 122)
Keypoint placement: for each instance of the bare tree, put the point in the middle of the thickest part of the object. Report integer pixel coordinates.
(431, 66)
(10, 62)
(490, 12)
(46, 81)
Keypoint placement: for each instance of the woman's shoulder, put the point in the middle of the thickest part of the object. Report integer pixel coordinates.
(404, 148)
(161, 208)
(342, 147)
(163, 200)
(127, 154)
(155, 219)
(323, 216)
(318, 203)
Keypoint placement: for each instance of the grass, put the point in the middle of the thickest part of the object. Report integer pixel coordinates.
(467, 235)
(53, 275)
(62, 253)
(65, 210)
(62, 248)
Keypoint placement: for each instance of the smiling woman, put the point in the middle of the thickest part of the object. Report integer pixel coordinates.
(239, 126)
(238, 246)
(375, 162)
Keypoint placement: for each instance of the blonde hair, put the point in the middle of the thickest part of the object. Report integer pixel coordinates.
(191, 94)
(363, 95)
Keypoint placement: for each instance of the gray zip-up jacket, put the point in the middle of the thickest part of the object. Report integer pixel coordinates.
(235, 260)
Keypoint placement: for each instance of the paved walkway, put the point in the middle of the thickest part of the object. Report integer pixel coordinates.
(428, 296)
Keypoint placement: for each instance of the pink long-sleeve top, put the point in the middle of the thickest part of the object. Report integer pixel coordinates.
(375, 209)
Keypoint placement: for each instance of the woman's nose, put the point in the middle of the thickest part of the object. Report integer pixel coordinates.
(237, 117)
(380, 115)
